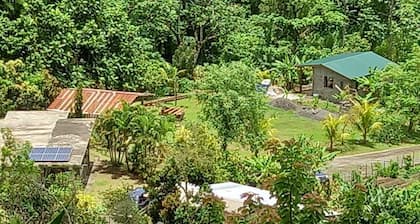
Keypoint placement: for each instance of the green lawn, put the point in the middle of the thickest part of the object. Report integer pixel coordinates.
(286, 125)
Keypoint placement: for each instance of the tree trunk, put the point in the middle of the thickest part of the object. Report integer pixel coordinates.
(364, 136)
(126, 161)
(224, 144)
(300, 72)
(331, 144)
(410, 125)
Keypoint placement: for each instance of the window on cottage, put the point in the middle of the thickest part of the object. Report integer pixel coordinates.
(325, 81)
(341, 84)
(330, 83)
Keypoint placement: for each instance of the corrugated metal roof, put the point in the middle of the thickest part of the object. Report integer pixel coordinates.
(95, 101)
(352, 65)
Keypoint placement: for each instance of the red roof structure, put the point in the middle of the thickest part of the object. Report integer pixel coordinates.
(95, 101)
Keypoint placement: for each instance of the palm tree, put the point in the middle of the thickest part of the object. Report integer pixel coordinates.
(332, 126)
(363, 116)
(173, 73)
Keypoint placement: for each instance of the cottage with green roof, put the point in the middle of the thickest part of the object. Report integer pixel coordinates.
(336, 72)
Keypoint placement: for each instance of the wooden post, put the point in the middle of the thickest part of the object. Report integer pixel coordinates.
(413, 159)
(366, 169)
(372, 169)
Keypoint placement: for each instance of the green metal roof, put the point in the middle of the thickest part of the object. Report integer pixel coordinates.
(352, 65)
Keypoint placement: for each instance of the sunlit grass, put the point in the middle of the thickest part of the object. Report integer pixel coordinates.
(287, 124)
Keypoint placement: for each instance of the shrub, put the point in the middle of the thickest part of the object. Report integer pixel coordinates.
(408, 162)
(393, 130)
(392, 170)
(205, 208)
(122, 209)
(185, 85)
(234, 167)
(88, 210)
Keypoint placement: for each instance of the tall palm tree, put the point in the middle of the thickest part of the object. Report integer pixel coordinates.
(364, 116)
(173, 74)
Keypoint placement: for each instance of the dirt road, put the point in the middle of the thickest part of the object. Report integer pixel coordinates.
(345, 164)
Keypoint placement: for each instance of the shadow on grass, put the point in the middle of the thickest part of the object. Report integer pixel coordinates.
(357, 142)
(105, 167)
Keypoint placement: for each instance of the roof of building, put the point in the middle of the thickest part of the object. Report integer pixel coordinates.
(33, 126)
(352, 65)
(50, 128)
(74, 133)
(95, 101)
(233, 194)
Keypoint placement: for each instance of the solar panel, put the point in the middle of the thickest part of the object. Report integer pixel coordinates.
(63, 157)
(51, 154)
(65, 150)
(35, 157)
(38, 150)
(48, 157)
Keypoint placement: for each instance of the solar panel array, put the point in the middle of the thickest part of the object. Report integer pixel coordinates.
(51, 154)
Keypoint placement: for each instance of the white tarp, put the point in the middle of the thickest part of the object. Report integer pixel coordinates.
(234, 192)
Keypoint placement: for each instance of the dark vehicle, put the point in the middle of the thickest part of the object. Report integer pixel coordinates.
(139, 196)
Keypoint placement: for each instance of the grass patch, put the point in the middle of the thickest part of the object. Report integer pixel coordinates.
(287, 124)
(322, 104)
(105, 177)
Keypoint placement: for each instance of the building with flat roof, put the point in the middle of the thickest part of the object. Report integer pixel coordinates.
(49, 132)
(33, 126)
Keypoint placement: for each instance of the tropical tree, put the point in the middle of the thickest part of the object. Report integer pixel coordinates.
(302, 19)
(364, 115)
(196, 151)
(21, 90)
(397, 88)
(332, 126)
(122, 209)
(233, 106)
(295, 183)
(78, 103)
(134, 134)
(289, 72)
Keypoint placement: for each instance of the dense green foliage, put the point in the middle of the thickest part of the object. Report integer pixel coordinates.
(196, 152)
(133, 135)
(28, 197)
(124, 44)
(365, 202)
(294, 183)
(21, 90)
(398, 90)
(223, 48)
(122, 209)
(233, 106)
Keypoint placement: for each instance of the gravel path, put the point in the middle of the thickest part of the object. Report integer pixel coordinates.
(345, 164)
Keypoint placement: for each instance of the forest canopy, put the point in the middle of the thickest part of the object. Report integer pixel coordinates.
(132, 44)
